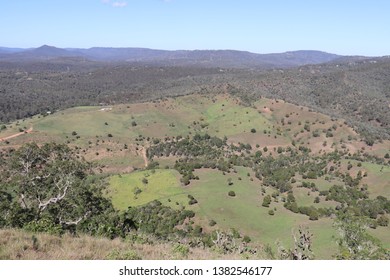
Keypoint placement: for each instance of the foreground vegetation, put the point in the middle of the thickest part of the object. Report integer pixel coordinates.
(22, 245)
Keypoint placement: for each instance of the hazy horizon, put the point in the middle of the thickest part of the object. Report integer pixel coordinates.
(137, 47)
(339, 27)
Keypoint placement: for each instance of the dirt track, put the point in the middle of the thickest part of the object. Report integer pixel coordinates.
(143, 152)
(16, 135)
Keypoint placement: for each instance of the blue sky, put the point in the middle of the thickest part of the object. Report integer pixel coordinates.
(263, 26)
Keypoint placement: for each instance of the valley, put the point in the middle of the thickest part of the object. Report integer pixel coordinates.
(220, 158)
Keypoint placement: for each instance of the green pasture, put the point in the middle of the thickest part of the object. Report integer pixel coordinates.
(244, 211)
(378, 179)
(161, 185)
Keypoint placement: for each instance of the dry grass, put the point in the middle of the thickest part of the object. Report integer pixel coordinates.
(21, 245)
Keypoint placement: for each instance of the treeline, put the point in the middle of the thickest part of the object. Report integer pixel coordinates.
(26, 93)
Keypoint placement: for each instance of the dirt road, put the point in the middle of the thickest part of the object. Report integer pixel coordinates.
(16, 134)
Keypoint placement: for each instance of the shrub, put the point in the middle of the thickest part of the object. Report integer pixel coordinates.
(192, 201)
(127, 255)
(253, 130)
(271, 212)
(231, 193)
(181, 250)
(266, 201)
(44, 225)
(313, 215)
(316, 133)
(246, 239)
(329, 134)
(383, 221)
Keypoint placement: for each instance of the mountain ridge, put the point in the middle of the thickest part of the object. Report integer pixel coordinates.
(204, 58)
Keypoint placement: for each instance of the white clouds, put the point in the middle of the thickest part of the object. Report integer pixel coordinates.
(119, 4)
(115, 4)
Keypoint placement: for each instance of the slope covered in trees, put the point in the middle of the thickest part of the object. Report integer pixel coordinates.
(357, 90)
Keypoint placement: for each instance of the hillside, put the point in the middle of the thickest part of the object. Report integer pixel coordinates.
(160, 150)
(355, 90)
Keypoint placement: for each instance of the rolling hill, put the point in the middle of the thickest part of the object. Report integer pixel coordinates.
(135, 149)
(185, 58)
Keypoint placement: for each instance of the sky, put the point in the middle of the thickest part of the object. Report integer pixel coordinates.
(345, 27)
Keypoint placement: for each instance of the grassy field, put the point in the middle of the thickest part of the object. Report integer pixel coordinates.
(377, 178)
(161, 185)
(243, 212)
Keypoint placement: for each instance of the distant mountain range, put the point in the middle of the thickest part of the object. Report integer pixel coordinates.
(201, 58)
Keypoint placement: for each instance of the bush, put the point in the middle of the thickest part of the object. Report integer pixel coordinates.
(231, 193)
(253, 130)
(266, 201)
(127, 255)
(329, 134)
(145, 181)
(181, 250)
(246, 239)
(137, 191)
(313, 215)
(383, 221)
(271, 212)
(192, 201)
(212, 223)
(44, 225)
